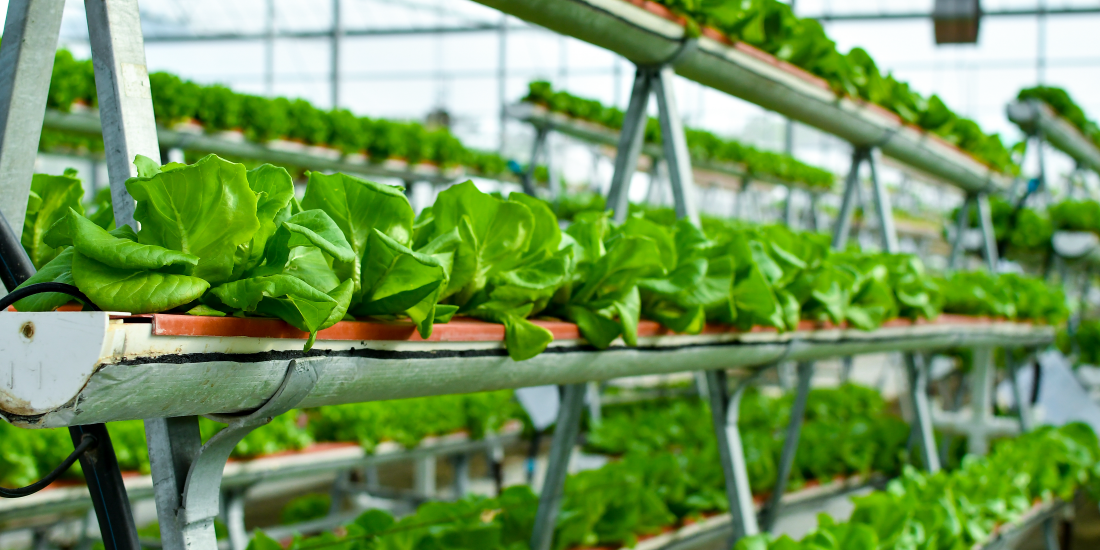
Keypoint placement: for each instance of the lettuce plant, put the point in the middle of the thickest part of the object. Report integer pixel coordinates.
(50, 200)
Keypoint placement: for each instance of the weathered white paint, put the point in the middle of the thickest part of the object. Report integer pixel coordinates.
(46, 358)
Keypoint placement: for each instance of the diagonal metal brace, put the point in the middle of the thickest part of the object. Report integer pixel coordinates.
(199, 503)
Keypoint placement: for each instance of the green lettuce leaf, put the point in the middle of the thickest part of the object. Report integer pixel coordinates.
(51, 199)
(359, 207)
(206, 209)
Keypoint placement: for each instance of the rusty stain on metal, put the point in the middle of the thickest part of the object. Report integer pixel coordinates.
(27, 331)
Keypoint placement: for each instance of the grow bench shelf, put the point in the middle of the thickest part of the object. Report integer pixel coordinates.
(233, 145)
(320, 458)
(591, 132)
(72, 368)
(1036, 118)
(647, 34)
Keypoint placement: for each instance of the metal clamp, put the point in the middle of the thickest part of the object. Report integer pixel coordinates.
(687, 45)
(187, 507)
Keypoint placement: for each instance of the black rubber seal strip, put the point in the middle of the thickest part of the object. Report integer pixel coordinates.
(370, 353)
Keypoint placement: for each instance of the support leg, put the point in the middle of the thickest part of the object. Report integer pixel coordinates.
(1023, 403)
(675, 146)
(26, 64)
(565, 436)
(461, 464)
(595, 410)
(424, 477)
(496, 465)
(187, 474)
(630, 145)
(989, 239)
(790, 445)
(981, 400)
(1050, 535)
(883, 209)
(788, 209)
(848, 204)
(122, 88)
(743, 198)
(922, 413)
(724, 410)
(962, 222)
(234, 519)
(541, 137)
(813, 212)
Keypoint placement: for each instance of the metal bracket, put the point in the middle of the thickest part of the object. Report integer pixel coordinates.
(922, 412)
(187, 474)
(566, 429)
(724, 408)
(851, 195)
(790, 445)
(657, 80)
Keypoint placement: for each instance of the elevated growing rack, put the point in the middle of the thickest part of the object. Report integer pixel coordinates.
(544, 121)
(89, 123)
(648, 35)
(1039, 120)
(70, 368)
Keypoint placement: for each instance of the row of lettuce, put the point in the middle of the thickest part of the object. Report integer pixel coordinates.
(30, 454)
(665, 472)
(644, 495)
(773, 27)
(1023, 232)
(217, 108)
(217, 239)
(705, 147)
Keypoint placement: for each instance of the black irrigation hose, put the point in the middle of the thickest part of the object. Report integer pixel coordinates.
(87, 442)
(40, 288)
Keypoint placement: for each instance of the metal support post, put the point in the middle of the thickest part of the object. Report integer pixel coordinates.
(1050, 535)
(674, 143)
(595, 409)
(813, 211)
(922, 412)
(882, 208)
(424, 477)
(334, 58)
(1023, 402)
(630, 144)
(962, 222)
(724, 411)
(790, 445)
(234, 519)
(657, 79)
(981, 400)
(561, 449)
(788, 209)
(125, 101)
(26, 64)
(989, 238)
(187, 474)
(461, 465)
(495, 455)
(542, 135)
(848, 204)
(743, 197)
